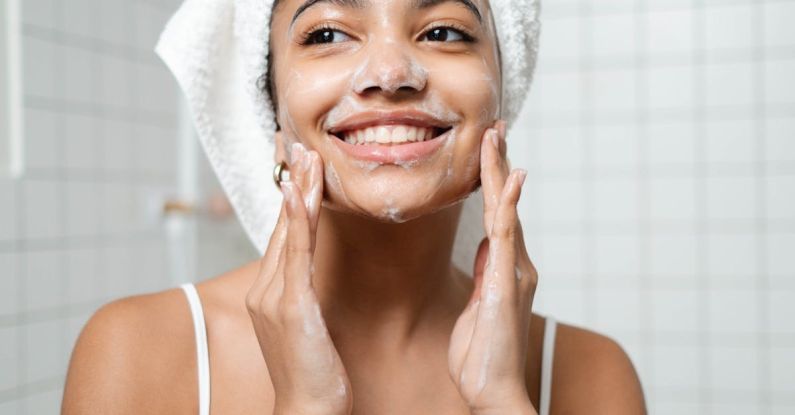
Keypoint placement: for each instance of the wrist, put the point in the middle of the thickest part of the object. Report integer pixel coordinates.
(519, 406)
(305, 408)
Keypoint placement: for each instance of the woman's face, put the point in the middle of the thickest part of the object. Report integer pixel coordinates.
(391, 73)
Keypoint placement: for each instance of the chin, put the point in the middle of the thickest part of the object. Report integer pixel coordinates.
(398, 204)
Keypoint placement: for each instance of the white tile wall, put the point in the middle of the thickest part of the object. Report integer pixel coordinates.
(664, 139)
(72, 232)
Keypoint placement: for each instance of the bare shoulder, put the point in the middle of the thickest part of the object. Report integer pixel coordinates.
(593, 374)
(134, 355)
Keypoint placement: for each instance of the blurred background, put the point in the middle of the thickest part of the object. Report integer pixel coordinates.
(659, 207)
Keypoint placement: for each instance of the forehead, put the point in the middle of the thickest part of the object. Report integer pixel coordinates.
(477, 7)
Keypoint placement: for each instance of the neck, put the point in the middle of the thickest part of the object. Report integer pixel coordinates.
(386, 277)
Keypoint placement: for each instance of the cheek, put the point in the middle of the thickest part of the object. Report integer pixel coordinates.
(473, 87)
(308, 92)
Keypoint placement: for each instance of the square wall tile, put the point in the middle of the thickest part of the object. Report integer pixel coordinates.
(82, 266)
(615, 199)
(676, 367)
(614, 35)
(615, 146)
(778, 17)
(676, 311)
(671, 87)
(561, 254)
(734, 367)
(560, 149)
(42, 343)
(779, 88)
(660, 36)
(558, 91)
(780, 197)
(45, 403)
(671, 143)
(729, 84)
(40, 13)
(779, 143)
(77, 76)
(779, 258)
(613, 90)
(43, 139)
(82, 208)
(729, 27)
(617, 255)
(561, 200)
(41, 204)
(731, 197)
(38, 60)
(564, 34)
(672, 198)
(79, 142)
(44, 280)
(731, 141)
(9, 280)
(9, 341)
(674, 256)
(8, 209)
(782, 369)
(618, 309)
(732, 255)
(780, 309)
(733, 311)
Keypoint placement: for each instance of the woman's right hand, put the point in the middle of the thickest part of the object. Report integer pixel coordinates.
(306, 371)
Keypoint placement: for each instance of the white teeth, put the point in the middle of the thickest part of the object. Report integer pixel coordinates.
(385, 134)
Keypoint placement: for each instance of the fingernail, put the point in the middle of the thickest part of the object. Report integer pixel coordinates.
(522, 176)
(296, 153)
(494, 136)
(285, 185)
(502, 129)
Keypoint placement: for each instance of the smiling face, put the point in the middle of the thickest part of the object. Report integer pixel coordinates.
(393, 94)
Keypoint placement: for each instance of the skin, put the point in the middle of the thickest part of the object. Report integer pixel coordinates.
(356, 306)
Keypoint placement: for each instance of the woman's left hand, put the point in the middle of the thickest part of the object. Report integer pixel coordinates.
(488, 347)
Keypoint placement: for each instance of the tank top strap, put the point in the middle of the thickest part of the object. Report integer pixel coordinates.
(547, 356)
(202, 355)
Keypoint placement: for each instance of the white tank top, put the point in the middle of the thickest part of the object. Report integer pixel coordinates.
(203, 357)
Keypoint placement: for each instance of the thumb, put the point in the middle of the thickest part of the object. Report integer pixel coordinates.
(480, 264)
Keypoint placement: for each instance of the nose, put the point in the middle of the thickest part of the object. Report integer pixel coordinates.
(390, 67)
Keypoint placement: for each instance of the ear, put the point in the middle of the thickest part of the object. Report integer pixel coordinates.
(280, 154)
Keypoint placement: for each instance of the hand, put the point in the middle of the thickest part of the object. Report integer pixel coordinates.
(306, 371)
(488, 347)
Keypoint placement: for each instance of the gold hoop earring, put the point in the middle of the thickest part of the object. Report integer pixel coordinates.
(278, 169)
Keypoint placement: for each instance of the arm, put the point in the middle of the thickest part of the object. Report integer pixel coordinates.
(594, 375)
(125, 353)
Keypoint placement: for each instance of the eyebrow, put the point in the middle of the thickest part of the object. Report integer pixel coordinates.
(360, 4)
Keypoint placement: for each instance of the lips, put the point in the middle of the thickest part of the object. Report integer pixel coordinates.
(393, 153)
(391, 136)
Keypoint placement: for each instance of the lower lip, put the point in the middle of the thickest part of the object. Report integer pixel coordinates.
(393, 153)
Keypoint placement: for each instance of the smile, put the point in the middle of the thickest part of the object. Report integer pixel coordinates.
(391, 134)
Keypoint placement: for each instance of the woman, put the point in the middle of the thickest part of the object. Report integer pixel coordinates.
(389, 117)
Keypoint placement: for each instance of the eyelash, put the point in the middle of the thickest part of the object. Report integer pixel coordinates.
(305, 37)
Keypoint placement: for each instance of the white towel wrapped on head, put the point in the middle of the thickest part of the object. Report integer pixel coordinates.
(217, 51)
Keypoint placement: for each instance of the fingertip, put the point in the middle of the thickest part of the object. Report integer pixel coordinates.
(522, 173)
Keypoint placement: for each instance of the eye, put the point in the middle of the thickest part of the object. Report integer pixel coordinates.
(324, 35)
(447, 34)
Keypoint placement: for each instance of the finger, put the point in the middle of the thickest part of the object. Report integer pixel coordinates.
(489, 183)
(270, 259)
(480, 264)
(299, 169)
(315, 195)
(298, 249)
(493, 172)
(503, 236)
